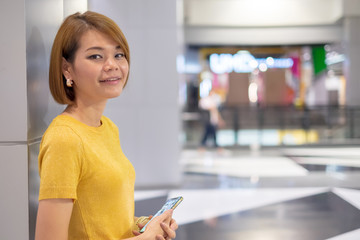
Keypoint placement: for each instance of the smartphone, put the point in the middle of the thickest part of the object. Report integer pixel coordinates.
(171, 203)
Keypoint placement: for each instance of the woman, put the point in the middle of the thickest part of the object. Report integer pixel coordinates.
(210, 104)
(86, 182)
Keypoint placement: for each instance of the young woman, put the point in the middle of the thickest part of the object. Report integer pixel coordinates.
(86, 182)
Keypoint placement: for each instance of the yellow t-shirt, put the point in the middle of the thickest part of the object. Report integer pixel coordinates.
(87, 164)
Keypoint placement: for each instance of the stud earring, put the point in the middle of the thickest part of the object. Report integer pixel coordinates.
(69, 82)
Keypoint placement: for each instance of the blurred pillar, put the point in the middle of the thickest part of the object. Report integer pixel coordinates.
(351, 41)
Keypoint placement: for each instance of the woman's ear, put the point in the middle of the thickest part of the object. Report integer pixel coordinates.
(66, 69)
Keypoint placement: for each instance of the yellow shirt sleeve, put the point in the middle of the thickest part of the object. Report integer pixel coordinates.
(60, 163)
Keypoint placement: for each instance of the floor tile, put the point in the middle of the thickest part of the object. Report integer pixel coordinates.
(265, 194)
(245, 166)
(350, 195)
(352, 235)
(316, 217)
(211, 203)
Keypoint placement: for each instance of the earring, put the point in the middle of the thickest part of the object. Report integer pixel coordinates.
(69, 82)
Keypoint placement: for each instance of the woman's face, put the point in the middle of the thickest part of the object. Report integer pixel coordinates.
(99, 70)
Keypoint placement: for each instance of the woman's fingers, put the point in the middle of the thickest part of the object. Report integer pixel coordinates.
(136, 233)
(173, 224)
(167, 216)
(159, 237)
(141, 225)
(169, 233)
(167, 226)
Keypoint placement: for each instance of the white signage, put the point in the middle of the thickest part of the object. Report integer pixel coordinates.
(244, 62)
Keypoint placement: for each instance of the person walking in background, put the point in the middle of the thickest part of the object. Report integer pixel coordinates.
(214, 120)
(86, 181)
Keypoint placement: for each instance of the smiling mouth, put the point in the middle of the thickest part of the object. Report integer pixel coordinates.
(110, 80)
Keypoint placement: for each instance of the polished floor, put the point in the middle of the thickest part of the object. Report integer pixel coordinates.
(291, 193)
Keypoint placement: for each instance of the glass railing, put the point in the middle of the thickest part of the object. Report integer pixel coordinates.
(277, 126)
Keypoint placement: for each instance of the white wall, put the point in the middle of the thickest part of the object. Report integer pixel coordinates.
(72, 6)
(262, 13)
(262, 35)
(263, 22)
(147, 112)
(14, 209)
(13, 121)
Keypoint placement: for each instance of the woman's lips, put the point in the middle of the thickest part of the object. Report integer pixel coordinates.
(113, 80)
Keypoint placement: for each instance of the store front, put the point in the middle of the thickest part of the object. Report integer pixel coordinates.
(267, 93)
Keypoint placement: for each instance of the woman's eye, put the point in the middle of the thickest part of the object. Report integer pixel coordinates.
(120, 55)
(95, 56)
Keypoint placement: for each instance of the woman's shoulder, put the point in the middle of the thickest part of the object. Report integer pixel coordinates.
(61, 127)
(63, 121)
(108, 122)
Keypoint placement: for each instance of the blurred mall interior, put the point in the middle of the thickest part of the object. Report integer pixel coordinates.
(285, 75)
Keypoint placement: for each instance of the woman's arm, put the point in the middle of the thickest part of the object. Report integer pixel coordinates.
(162, 227)
(53, 219)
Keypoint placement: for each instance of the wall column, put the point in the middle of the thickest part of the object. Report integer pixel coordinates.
(351, 41)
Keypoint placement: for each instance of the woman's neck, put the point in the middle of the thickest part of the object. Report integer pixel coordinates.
(88, 114)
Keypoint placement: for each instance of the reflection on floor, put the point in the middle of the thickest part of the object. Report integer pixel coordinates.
(297, 194)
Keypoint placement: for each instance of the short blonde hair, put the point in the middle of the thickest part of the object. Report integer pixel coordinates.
(66, 44)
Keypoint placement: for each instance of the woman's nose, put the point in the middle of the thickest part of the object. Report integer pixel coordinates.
(110, 64)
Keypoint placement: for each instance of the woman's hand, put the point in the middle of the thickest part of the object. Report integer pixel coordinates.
(162, 227)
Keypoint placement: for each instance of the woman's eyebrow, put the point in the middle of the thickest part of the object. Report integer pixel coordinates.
(100, 48)
(94, 48)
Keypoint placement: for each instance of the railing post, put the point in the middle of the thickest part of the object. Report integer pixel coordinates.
(260, 121)
(236, 124)
(351, 121)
